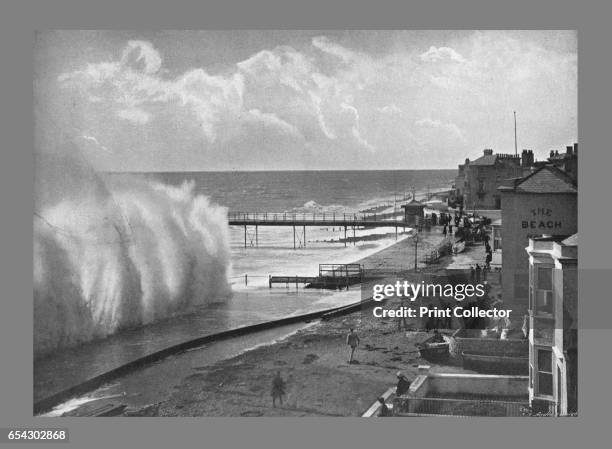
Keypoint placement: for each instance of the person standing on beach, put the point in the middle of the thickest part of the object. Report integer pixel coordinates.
(384, 410)
(486, 239)
(403, 384)
(402, 320)
(488, 260)
(278, 389)
(352, 339)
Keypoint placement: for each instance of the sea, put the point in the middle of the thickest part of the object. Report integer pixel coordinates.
(251, 300)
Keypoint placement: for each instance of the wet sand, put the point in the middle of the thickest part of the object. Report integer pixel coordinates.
(314, 361)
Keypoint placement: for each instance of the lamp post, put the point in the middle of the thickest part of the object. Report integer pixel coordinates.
(416, 242)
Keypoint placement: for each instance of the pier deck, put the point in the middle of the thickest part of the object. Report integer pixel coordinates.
(325, 219)
(296, 220)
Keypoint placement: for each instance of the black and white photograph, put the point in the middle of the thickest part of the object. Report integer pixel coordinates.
(305, 223)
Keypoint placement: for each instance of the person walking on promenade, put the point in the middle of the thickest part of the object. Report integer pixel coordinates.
(450, 229)
(444, 231)
(352, 339)
(278, 389)
(478, 270)
(472, 274)
(488, 260)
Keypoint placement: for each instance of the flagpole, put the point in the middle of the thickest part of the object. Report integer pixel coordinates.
(515, 147)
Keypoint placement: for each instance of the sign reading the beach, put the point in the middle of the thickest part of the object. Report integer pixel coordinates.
(541, 218)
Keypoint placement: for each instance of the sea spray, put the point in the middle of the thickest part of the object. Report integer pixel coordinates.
(117, 251)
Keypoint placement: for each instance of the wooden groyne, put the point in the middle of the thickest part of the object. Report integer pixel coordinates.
(332, 276)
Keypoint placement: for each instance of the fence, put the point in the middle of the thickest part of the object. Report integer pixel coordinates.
(350, 270)
(404, 406)
(445, 248)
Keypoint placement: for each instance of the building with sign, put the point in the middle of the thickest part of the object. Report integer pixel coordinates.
(542, 203)
(553, 324)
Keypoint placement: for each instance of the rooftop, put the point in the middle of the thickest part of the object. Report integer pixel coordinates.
(571, 240)
(413, 203)
(546, 179)
(487, 159)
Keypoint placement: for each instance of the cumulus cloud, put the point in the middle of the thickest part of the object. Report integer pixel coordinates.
(332, 48)
(389, 109)
(435, 54)
(272, 120)
(355, 131)
(142, 52)
(324, 99)
(95, 141)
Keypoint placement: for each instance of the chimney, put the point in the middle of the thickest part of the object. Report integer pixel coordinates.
(488, 151)
(527, 158)
(467, 161)
(552, 153)
(569, 149)
(576, 148)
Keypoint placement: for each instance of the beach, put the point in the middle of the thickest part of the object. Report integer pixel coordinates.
(314, 361)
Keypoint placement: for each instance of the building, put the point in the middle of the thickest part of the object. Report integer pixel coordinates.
(553, 324)
(413, 212)
(543, 202)
(460, 181)
(483, 176)
(568, 161)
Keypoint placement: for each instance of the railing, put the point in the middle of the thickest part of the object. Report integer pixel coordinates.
(340, 270)
(313, 217)
(458, 407)
(444, 249)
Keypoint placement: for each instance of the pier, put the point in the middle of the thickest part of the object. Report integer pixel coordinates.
(302, 220)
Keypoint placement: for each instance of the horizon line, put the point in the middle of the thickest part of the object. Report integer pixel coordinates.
(278, 170)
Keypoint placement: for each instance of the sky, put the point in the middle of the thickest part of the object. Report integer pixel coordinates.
(298, 100)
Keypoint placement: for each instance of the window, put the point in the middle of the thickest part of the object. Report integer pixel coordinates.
(540, 290)
(545, 373)
(543, 292)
